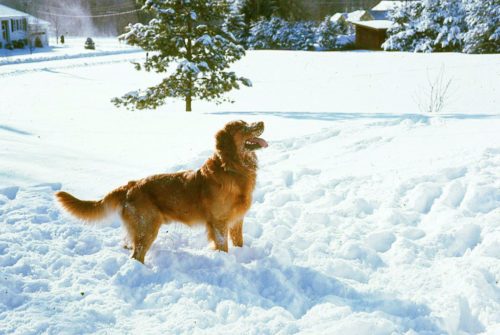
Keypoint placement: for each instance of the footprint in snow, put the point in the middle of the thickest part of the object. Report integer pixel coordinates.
(9, 192)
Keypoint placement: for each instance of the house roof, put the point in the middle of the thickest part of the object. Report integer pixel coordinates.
(10, 12)
(357, 15)
(375, 24)
(37, 21)
(7, 12)
(337, 17)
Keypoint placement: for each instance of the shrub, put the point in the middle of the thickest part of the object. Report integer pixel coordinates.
(38, 42)
(19, 44)
(89, 44)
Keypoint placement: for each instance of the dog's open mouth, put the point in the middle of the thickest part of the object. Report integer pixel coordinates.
(255, 143)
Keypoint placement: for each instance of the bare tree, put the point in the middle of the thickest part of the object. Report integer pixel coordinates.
(434, 97)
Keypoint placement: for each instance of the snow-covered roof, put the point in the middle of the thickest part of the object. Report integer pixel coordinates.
(387, 5)
(357, 15)
(375, 24)
(37, 21)
(337, 17)
(10, 12)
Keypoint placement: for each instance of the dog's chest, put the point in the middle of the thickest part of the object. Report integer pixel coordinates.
(234, 198)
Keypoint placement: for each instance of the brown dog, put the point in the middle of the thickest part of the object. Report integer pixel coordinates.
(217, 195)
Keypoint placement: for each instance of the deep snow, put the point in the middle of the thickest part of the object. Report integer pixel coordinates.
(368, 217)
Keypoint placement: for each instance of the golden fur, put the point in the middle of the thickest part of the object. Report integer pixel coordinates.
(217, 195)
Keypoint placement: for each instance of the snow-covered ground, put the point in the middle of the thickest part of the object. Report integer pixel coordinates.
(369, 217)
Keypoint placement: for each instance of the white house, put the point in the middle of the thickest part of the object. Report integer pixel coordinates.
(38, 28)
(19, 26)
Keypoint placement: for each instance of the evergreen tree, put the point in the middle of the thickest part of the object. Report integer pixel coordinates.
(447, 19)
(254, 10)
(427, 26)
(483, 22)
(328, 32)
(189, 40)
(279, 34)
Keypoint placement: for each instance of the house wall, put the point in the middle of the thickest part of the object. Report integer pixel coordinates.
(19, 28)
(372, 39)
(16, 29)
(40, 31)
(3, 30)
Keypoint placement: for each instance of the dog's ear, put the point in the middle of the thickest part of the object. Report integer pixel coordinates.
(224, 144)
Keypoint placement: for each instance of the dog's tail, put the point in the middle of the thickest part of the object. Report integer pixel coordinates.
(92, 210)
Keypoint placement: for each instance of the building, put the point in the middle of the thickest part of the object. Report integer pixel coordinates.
(38, 28)
(371, 34)
(20, 27)
(348, 19)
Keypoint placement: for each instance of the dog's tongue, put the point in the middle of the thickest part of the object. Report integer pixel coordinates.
(260, 141)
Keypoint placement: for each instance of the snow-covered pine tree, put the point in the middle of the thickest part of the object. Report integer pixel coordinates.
(427, 26)
(189, 41)
(483, 22)
(266, 34)
(404, 33)
(447, 18)
(327, 33)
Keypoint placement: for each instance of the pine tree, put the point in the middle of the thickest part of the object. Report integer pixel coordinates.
(190, 42)
(328, 32)
(427, 26)
(483, 22)
(403, 34)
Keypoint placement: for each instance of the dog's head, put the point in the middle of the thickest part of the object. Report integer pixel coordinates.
(237, 142)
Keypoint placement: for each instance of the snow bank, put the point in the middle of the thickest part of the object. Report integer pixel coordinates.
(72, 49)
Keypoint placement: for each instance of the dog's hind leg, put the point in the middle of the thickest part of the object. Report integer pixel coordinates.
(217, 233)
(236, 232)
(142, 227)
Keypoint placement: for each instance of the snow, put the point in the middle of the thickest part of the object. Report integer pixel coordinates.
(376, 24)
(356, 15)
(388, 5)
(368, 216)
(71, 49)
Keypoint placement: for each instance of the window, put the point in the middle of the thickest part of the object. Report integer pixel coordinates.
(17, 25)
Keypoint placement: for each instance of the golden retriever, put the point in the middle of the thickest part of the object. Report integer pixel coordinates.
(218, 194)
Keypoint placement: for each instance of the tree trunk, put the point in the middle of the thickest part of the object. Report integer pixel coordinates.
(189, 57)
(188, 103)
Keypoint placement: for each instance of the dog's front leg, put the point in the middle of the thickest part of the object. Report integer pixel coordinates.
(217, 233)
